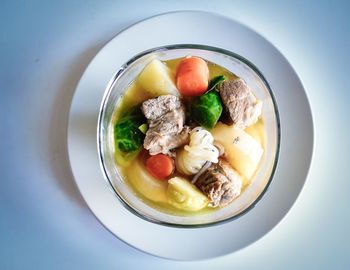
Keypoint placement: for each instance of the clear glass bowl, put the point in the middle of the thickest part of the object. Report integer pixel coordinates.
(234, 63)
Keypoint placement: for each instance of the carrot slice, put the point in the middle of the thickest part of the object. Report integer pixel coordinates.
(192, 76)
(160, 166)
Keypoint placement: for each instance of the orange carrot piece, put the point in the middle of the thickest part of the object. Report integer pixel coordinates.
(192, 76)
(160, 166)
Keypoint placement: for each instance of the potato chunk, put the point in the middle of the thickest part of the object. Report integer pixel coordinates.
(183, 195)
(150, 187)
(156, 80)
(242, 151)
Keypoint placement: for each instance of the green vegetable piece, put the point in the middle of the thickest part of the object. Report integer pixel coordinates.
(127, 135)
(215, 81)
(207, 109)
(143, 128)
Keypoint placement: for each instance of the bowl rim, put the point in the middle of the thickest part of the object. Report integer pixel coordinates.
(109, 89)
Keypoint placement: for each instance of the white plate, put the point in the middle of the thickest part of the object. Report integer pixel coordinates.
(295, 150)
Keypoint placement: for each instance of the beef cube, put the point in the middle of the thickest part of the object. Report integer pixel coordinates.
(221, 183)
(155, 108)
(241, 106)
(166, 117)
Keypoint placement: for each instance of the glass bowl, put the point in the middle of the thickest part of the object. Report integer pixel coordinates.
(234, 63)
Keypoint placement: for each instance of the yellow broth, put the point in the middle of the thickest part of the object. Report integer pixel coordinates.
(135, 95)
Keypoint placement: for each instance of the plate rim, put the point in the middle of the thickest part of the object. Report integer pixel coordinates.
(241, 25)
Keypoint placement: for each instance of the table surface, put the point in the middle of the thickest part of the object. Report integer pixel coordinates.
(45, 47)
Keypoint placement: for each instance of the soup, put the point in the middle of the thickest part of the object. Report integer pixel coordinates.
(189, 136)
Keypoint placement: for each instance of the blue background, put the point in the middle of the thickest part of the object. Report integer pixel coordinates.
(45, 46)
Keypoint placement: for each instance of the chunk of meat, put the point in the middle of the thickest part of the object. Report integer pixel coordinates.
(221, 183)
(241, 106)
(162, 143)
(154, 108)
(166, 117)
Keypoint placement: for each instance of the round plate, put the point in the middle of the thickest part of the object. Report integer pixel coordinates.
(295, 149)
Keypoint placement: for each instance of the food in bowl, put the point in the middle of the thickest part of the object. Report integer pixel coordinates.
(188, 135)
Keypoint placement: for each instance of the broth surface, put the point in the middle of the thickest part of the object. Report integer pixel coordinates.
(135, 95)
